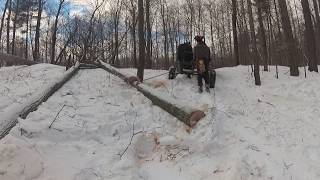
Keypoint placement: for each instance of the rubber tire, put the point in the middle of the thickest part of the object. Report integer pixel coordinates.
(172, 73)
(212, 78)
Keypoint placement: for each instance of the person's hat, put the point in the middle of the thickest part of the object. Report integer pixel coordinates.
(199, 38)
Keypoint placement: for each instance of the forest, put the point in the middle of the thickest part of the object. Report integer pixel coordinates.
(239, 32)
(159, 89)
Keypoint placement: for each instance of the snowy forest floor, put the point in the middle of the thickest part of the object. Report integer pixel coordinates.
(267, 132)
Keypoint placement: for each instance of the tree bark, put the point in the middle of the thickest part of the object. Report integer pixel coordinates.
(254, 44)
(2, 19)
(16, 13)
(317, 32)
(235, 33)
(289, 41)
(8, 26)
(36, 51)
(263, 36)
(141, 33)
(26, 52)
(133, 34)
(165, 34)
(309, 37)
(149, 38)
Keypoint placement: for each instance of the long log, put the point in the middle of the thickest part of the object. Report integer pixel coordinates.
(87, 66)
(9, 117)
(184, 113)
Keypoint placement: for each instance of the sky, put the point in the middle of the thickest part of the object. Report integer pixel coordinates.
(2, 2)
(81, 2)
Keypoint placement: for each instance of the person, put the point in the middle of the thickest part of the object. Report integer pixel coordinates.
(201, 56)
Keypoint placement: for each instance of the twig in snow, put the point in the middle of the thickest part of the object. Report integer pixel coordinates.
(111, 104)
(133, 134)
(287, 166)
(260, 101)
(56, 116)
(57, 129)
(254, 148)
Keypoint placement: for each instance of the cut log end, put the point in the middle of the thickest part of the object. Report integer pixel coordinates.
(188, 115)
(132, 80)
(196, 116)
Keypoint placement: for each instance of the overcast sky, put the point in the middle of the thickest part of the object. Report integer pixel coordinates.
(81, 2)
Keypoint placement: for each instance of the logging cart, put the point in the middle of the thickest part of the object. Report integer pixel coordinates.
(185, 65)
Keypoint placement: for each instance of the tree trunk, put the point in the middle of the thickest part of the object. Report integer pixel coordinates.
(263, 36)
(309, 37)
(141, 33)
(16, 13)
(133, 34)
(289, 41)
(165, 34)
(148, 57)
(254, 44)
(36, 51)
(116, 41)
(277, 17)
(2, 19)
(235, 33)
(27, 37)
(8, 26)
(317, 25)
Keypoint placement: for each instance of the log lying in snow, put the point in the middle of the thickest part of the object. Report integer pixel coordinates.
(188, 115)
(9, 118)
(87, 66)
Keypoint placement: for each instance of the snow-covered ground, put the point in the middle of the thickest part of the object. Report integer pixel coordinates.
(18, 83)
(267, 132)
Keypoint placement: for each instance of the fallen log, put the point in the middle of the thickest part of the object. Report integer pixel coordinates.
(87, 66)
(184, 113)
(9, 117)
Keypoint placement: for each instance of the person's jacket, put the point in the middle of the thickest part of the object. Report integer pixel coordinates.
(202, 51)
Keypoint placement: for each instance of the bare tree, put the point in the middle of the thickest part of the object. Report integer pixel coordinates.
(141, 33)
(16, 13)
(289, 40)
(36, 51)
(260, 5)
(54, 33)
(133, 24)
(235, 33)
(310, 37)
(2, 18)
(8, 26)
(149, 40)
(254, 45)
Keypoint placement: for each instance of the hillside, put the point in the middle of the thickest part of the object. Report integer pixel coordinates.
(268, 132)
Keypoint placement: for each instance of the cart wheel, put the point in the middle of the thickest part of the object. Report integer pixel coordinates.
(172, 73)
(212, 78)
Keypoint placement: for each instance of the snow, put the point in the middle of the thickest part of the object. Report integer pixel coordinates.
(18, 83)
(9, 115)
(267, 132)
